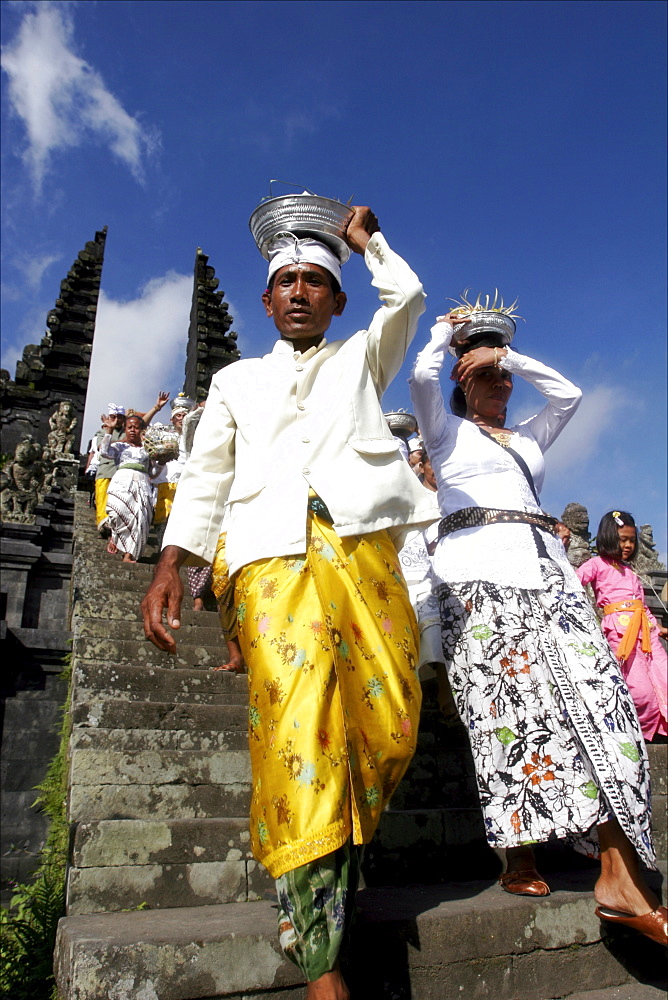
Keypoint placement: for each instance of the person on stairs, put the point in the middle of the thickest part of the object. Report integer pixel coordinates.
(555, 738)
(296, 446)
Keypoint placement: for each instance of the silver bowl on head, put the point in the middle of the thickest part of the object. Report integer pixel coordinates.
(401, 424)
(307, 214)
(486, 328)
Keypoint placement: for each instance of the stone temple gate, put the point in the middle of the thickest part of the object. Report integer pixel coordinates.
(41, 419)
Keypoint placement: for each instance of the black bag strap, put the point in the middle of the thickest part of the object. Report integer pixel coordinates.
(520, 461)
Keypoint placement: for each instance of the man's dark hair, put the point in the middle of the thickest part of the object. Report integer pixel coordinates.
(607, 538)
(333, 283)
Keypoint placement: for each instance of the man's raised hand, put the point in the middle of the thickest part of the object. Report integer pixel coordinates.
(361, 228)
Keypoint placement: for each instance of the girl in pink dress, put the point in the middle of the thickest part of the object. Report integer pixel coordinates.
(630, 628)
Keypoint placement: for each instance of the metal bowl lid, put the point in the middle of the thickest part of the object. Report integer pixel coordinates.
(306, 214)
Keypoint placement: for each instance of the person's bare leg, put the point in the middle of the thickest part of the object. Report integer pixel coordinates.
(620, 886)
(198, 604)
(519, 859)
(330, 986)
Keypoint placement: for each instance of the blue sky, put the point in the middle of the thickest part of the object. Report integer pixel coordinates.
(516, 145)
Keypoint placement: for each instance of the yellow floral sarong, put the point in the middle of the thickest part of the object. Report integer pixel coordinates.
(223, 588)
(164, 502)
(330, 641)
(101, 487)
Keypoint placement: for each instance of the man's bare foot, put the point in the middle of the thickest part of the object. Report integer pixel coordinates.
(328, 987)
(198, 604)
(127, 558)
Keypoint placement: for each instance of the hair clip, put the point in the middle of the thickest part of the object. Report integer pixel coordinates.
(617, 518)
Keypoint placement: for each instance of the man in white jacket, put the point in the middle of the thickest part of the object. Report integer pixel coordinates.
(293, 449)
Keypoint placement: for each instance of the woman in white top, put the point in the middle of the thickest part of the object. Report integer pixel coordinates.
(129, 497)
(555, 738)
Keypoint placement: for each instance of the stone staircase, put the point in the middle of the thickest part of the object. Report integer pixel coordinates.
(165, 901)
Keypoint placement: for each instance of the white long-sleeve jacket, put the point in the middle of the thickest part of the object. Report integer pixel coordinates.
(472, 471)
(275, 427)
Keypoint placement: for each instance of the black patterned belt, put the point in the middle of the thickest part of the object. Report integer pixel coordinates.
(476, 517)
(319, 507)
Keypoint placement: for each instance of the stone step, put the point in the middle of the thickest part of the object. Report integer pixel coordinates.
(177, 801)
(151, 683)
(134, 740)
(191, 653)
(195, 633)
(121, 864)
(155, 768)
(427, 943)
(630, 991)
(151, 842)
(127, 609)
(166, 886)
(157, 715)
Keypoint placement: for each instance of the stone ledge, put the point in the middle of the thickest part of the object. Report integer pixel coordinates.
(426, 943)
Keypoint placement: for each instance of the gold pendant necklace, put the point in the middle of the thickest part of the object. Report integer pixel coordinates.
(502, 437)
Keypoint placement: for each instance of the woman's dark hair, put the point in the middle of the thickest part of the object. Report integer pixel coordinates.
(607, 538)
(458, 402)
(333, 283)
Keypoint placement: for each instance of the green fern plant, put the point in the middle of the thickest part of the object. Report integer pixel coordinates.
(28, 929)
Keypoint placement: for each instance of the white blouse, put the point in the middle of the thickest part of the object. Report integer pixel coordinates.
(122, 452)
(474, 471)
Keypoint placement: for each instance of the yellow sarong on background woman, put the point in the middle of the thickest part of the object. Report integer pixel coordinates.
(330, 641)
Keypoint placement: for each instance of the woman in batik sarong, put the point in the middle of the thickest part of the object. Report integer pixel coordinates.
(555, 738)
(628, 624)
(129, 497)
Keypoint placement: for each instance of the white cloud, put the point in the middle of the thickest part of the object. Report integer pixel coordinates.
(580, 439)
(137, 345)
(33, 268)
(61, 99)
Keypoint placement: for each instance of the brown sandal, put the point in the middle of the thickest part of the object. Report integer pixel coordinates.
(524, 882)
(653, 925)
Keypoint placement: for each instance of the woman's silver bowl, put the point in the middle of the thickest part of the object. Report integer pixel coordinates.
(402, 424)
(485, 329)
(306, 214)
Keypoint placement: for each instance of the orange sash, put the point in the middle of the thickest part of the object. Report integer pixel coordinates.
(639, 621)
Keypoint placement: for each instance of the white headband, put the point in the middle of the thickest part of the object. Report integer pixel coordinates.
(287, 249)
(115, 410)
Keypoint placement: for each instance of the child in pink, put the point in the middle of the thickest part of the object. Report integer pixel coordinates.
(628, 625)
